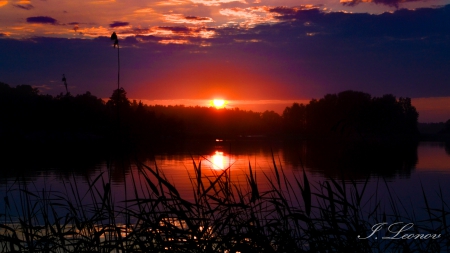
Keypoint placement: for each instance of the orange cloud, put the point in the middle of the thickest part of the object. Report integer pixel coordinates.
(183, 32)
(251, 16)
(94, 31)
(145, 10)
(216, 2)
(103, 1)
(173, 41)
(173, 2)
(181, 19)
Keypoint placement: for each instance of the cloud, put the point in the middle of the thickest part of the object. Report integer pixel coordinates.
(249, 17)
(403, 24)
(42, 87)
(392, 3)
(103, 2)
(145, 10)
(24, 6)
(179, 31)
(138, 31)
(42, 20)
(176, 29)
(92, 32)
(118, 24)
(216, 2)
(297, 13)
(181, 19)
(203, 19)
(173, 41)
(173, 2)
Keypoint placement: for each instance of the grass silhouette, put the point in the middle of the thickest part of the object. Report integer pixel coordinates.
(290, 216)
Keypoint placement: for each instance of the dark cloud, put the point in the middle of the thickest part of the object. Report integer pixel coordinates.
(24, 6)
(138, 31)
(142, 38)
(42, 20)
(286, 11)
(75, 26)
(118, 24)
(198, 18)
(184, 29)
(175, 29)
(393, 3)
(405, 24)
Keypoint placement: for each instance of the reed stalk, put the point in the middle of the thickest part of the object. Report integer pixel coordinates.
(294, 215)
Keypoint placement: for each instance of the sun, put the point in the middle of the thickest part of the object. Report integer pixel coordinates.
(218, 103)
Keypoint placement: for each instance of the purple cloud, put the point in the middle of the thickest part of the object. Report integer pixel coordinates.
(394, 3)
(42, 20)
(118, 24)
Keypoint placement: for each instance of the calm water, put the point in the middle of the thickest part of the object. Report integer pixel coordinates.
(398, 169)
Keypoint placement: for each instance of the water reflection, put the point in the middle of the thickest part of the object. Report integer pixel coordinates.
(356, 161)
(405, 166)
(218, 161)
(326, 159)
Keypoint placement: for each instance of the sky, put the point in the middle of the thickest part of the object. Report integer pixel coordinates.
(239, 50)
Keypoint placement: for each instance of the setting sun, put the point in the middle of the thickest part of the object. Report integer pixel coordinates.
(218, 103)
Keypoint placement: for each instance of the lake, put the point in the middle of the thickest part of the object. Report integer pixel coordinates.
(403, 169)
(392, 179)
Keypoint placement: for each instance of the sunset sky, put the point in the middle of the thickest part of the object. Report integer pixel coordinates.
(238, 50)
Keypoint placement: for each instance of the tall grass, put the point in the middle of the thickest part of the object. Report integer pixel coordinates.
(293, 215)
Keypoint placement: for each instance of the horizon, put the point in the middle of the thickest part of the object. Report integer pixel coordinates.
(431, 110)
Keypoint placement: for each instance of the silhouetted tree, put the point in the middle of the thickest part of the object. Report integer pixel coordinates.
(27, 90)
(353, 115)
(446, 129)
(294, 118)
(271, 122)
(119, 99)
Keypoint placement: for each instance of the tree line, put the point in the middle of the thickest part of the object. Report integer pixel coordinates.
(27, 115)
(353, 115)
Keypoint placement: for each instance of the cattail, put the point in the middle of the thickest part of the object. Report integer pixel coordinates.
(115, 39)
(65, 83)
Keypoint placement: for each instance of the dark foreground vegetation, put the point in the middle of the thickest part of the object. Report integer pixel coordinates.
(28, 117)
(293, 215)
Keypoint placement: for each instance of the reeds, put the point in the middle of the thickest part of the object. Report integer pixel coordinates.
(293, 215)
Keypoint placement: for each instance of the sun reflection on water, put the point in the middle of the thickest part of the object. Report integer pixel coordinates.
(218, 161)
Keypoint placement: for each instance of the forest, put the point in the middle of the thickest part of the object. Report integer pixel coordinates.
(28, 117)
